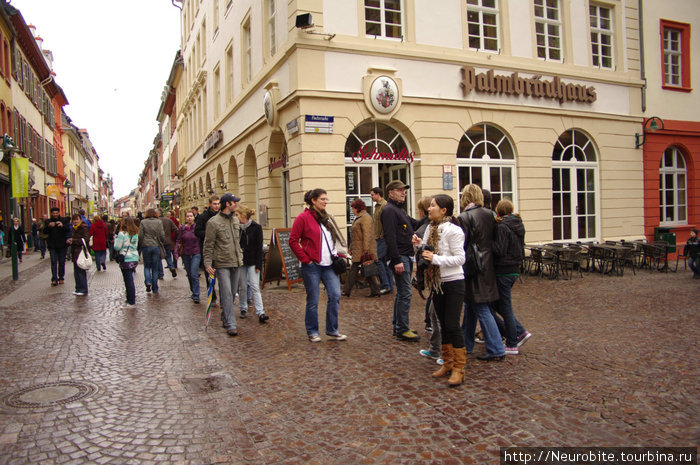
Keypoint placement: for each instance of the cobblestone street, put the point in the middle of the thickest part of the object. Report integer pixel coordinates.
(611, 363)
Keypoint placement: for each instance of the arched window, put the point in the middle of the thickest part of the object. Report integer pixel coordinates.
(485, 157)
(574, 192)
(673, 198)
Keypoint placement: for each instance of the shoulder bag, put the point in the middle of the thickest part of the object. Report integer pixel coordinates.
(338, 264)
(474, 256)
(84, 260)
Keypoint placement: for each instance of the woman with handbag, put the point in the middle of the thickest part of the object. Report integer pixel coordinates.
(126, 246)
(187, 246)
(363, 248)
(79, 245)
(312, 239)
(151, 238)
(480, 229)
(445, 279)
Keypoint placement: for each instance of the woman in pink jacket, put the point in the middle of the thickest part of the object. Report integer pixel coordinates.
(313, 238)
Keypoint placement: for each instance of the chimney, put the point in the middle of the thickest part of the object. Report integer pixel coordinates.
(39, 42)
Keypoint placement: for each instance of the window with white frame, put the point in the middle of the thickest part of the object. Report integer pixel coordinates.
(548, 29)
(601, 36)
(247, 51)
(673, 192)
(383, 18)
(672, 57)
(271, 33)
(485, 157)
(482, 24)
(216, 17)
(229, 74)
(217, 92)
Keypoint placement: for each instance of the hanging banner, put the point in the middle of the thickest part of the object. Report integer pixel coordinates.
(91, 206)
(20, 177)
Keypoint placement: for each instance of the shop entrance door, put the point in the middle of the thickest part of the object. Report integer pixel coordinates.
(573, 203)
(391, 172)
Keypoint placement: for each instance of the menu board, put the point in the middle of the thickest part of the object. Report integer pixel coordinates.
(281, 261)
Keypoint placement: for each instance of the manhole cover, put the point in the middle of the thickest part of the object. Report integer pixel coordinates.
(49, 394)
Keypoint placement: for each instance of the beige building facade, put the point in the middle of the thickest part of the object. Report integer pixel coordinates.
(535, 100)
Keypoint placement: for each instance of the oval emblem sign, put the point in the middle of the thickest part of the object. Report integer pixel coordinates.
(384, 94)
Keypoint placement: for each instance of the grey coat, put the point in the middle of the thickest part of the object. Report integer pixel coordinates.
(482, 288)
(151, 233)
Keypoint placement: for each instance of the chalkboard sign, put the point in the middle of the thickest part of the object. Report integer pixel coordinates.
(281, 260)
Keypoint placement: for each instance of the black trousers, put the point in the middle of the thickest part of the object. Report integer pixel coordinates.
(448, 306)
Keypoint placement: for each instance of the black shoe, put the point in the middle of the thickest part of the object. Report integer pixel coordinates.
(491, 358)
(195, 301)
(345, 294)
(148, 288)
(384, 291)
(174, 272)
(232, 332)
(243, 315)
(161, 278)
(263, 318)
(54, 283)
(374, 295)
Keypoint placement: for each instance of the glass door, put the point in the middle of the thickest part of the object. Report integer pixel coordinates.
(573, 203)
(358, 182)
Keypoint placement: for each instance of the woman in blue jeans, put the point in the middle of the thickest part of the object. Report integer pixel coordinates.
(187, 245)
(313, 238)
(151, 239)
(126, 246)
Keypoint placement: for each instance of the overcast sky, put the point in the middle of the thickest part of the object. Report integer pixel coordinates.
(112, 60)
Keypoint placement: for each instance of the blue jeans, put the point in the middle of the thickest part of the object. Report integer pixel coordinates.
(386, 276)
(228, 282)
(58, 263)
(81, 283)
(191, 264)
(100, 257)
(174, 259)
(151, 259)
(492, 338)
(313, 275)
(250, 287)
(128, 276)
(402, 301)
(504, 307)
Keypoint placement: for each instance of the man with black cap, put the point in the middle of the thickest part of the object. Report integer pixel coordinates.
(398, 231)
(222, 255)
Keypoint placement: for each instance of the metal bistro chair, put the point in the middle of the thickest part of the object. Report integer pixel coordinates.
(569, 261)
(663, 255)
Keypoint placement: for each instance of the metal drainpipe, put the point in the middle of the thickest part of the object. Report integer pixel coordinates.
(641, 56)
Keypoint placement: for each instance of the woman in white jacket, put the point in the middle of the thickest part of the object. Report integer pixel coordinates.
(445, 279)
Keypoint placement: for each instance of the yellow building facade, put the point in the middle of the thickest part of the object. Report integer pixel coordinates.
(534, 100)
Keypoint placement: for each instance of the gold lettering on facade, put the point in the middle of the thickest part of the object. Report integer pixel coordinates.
(490, 82)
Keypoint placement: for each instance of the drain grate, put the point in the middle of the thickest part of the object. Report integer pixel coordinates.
(49, 394)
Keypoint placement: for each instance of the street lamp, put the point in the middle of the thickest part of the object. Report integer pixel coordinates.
(9, 148)
(67, 185)
(652, 125)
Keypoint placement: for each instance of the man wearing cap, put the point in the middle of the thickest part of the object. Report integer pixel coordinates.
(385, 277)
(398, 231)
(201, 227)
(222, 255)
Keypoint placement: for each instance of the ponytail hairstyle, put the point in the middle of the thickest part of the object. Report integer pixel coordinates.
(313, 195)
(446, 202)
(245, 210)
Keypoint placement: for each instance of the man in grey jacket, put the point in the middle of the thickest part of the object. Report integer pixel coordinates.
(168, 228)
(223, 255)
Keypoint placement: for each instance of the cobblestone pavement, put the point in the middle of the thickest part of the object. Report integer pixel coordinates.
(611, 363)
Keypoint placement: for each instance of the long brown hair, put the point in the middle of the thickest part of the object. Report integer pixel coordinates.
(129, 226)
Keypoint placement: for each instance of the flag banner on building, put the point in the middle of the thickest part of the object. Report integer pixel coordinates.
(20, 177)
(91, 206)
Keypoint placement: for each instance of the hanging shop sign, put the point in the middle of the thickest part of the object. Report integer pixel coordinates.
(52, 191)
(367, 154)
(293, 127)
(318, 124)
(535, 86)
(212, 140)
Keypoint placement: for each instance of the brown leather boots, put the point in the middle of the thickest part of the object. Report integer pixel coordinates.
(454, 362)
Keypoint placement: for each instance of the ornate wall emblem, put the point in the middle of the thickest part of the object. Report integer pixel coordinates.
(384, 94)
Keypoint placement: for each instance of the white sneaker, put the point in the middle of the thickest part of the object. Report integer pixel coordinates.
(337, 337)
(78, 293)
(315, 338)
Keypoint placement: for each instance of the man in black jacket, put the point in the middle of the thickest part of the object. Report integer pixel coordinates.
(200, 230)
(57, 230)
(398, 231)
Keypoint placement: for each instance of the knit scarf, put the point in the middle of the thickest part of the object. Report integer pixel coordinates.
(432, 273)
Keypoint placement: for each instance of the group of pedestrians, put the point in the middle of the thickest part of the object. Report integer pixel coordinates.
(468, 261)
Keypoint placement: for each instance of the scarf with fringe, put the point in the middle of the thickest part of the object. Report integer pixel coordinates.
(432, 273)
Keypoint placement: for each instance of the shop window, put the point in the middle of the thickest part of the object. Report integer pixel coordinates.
(548, 29)
(383, 18)
(574, 187)
(482, 24)
(485, 157)
(673, 192)
(675, 50)
(601, 22)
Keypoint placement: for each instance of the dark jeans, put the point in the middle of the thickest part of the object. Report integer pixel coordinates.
(128, 276)
(448, 306)
(151, 259)
(402, 302)
(504, 307)
(58, 263)
(41, 246)
(100, 258)
(386, 275)
(81, 283)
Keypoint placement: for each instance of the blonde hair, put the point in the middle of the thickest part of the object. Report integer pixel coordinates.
(424, 204)
(471, 194)
(244, 210)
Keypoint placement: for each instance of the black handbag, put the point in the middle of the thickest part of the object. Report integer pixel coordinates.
(474, 256)
(370, 270)
(339, 264)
